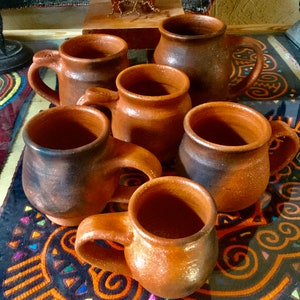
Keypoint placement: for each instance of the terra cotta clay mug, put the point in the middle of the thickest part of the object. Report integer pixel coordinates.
(149, 107)
(72, 165)
(199, 46)
(225, 148)
(168, 234)
(83, 61)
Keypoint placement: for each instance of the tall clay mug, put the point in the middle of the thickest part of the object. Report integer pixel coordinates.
(226, 148)
(72, 165)
(168, 234)
(199, 46)
(83, 61)
(149, 107)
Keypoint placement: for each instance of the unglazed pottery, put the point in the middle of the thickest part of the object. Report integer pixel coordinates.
(72, 165)
(168, 234)
(199, 46)
(225, 148)
(148, 108)
(81, 62)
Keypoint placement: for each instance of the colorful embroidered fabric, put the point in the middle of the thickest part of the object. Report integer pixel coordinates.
(15, 96)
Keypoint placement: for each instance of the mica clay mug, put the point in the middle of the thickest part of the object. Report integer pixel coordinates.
(72, 165)
(168, 234)
(83, 61)
(225, 148)
(199, 46)
(149, 107)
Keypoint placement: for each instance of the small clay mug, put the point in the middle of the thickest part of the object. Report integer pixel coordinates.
(199, 46)
(83, 61)
(168, 234)
(148, 108)
(72, 165)
(225, 148)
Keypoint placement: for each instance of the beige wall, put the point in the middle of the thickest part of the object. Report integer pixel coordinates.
(238, 12)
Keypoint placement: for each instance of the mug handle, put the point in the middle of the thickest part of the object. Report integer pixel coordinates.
(247, 82)
(99, 96)
(114, 227)
(128, 155)
(49, 59)
(287, 149)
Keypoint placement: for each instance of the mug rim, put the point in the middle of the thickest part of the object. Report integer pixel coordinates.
(62, 109)
(207, 227)
(190, 17)
(183, 89)
(94, 36)
(263, 138)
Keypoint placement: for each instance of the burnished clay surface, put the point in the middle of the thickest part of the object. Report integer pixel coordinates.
(226, 149)
(81, 62)
(199, 46)
(72, 165)
(149, 107)
(168, 234)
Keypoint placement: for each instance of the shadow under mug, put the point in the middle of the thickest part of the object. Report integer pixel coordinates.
(149, 107)
(72, 165)
(82, 61)
(226, 147)
(168, 234)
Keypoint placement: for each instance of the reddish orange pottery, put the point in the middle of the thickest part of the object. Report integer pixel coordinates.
(168, 234)
(72, 165)
(149, 107)
(226, 149)
(81, 62)
(199, 46)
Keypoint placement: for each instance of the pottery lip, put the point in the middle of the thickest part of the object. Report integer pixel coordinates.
(98, 141)
(146, 69)
(95, 38)
(208, 224)
(263, 138)
(185, 19)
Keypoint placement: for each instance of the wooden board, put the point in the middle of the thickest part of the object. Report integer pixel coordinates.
(139, 31)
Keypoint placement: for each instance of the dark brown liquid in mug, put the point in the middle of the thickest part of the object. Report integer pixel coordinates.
(168, 217)
(151, 88)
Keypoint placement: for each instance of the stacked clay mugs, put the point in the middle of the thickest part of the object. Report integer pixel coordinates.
(171, 108)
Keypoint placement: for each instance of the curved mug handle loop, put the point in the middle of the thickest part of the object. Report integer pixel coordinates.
(128, 155)
(98, 96)
(247, 82)
(288, 147)
(49, 59)
(113, 227)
